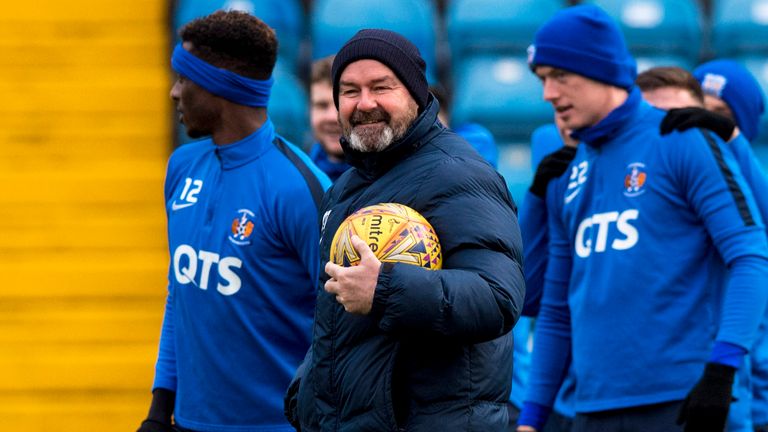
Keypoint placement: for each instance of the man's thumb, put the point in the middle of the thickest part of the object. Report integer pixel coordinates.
(362, 248)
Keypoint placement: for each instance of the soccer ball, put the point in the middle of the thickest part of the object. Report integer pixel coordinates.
(394, 232)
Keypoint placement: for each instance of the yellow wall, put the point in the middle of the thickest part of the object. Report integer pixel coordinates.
(84, 136)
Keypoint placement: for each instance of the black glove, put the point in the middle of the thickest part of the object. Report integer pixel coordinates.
(154, 426)
(552, 166)
(685, 118)
(160, 412)
(706, 407)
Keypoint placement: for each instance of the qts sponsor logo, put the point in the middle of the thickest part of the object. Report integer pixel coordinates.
(194, 267)
(595, 232)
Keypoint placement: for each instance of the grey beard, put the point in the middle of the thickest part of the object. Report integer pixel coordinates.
(372, 141)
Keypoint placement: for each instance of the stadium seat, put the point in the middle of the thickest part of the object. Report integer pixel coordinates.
(515, 167)
(758, 66)
(658, 27)
(490, 26)
(740, 27)
(289, 107)
(285, 16)
(333, 22)
(502, 94)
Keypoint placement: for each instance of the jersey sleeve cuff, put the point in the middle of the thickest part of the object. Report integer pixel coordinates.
(727, 354)
(533, 415)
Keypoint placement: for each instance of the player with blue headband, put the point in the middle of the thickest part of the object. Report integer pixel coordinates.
(242, 209)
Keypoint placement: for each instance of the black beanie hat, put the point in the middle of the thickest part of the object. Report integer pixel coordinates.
(391, 49)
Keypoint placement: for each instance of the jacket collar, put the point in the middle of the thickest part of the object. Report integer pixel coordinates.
(422, 130)
(247, 149)
(608, 128)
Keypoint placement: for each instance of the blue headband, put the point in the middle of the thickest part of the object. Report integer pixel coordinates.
(221, 82)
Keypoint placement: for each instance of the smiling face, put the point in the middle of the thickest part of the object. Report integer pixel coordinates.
(375, 108)
(578, 101)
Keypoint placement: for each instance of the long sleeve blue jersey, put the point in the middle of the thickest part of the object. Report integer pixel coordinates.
(751, 389)
(639, 233)
(533, 226)
(243, 237)
(533, 222)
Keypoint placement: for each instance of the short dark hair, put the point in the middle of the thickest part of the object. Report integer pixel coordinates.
(670, 76)
(321, 70)
(233, 40)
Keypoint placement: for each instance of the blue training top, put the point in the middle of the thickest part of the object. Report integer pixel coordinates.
(243, 237)
(635, 277)
(533, 227)
(332, 169)
(751, 405)
(533, 221)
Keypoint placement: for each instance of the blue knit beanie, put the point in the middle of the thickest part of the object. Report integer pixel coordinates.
(732, 82)
(585, 40)
(391, 49)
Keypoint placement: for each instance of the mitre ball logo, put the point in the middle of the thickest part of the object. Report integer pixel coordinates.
(394, 232)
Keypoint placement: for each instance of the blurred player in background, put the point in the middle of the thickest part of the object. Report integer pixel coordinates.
(326, 153)
(729, 88)
(670, 87)
(732, 97)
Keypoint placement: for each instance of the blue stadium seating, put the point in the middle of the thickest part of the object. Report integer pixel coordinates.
(289, 107)
(333, 22)
(658, 27)
(758, 66)
(285, 16)
(489, 26)
(502, 94)
(515, 167)
(740, 27)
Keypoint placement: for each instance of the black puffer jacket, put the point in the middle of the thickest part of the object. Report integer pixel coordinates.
(435, 353)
